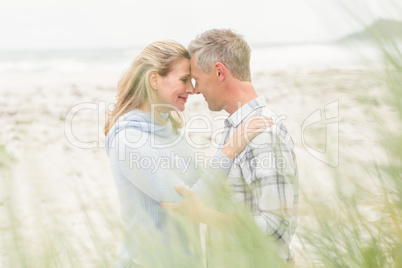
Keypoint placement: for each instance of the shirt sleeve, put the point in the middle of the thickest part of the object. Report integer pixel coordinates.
(269, 169)
(159, 183)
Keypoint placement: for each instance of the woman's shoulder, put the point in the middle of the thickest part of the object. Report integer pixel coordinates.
(132, 135)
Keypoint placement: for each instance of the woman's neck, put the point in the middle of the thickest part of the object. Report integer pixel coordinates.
(145, 107)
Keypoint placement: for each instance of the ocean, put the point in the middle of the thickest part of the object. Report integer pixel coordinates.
(264, 58)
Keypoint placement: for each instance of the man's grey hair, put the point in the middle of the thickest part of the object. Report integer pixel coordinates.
(225, 46)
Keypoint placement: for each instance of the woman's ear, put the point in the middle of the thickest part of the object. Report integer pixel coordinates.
(154, 79)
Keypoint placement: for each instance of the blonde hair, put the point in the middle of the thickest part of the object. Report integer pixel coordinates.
(134, 88)
(222, 45)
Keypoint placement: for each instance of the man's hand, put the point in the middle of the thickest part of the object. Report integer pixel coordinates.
(190, 207)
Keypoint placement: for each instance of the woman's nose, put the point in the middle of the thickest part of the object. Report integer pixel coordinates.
(190, 88)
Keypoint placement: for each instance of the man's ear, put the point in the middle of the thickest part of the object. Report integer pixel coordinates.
(220, 71)
(154, 80)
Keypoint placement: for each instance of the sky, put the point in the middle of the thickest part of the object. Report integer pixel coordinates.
(52, 24)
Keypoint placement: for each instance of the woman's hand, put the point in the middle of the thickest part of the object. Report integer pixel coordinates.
(244, 134)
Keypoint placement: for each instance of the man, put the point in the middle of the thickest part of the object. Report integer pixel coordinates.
(264, 176)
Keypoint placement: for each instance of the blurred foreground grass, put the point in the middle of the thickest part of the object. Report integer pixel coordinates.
(362, 226)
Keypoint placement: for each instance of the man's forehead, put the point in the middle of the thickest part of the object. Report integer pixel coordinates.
(193, 64)
(193, 69)
(194, 58)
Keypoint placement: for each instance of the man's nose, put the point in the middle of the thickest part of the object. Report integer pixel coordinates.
(196, 91)
(195, 88)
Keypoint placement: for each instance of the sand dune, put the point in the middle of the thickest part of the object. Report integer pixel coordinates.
(57, 190)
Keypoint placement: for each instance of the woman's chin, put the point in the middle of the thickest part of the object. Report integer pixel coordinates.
(181, 107)
(165, 108)
(175, 108)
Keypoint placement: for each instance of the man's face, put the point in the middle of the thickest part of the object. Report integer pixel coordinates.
(208, 86)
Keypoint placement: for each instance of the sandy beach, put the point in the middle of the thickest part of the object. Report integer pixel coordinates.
(57, 191)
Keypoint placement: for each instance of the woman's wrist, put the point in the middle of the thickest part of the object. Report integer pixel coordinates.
(229, 151)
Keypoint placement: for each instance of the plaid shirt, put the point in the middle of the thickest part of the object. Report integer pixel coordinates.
(264, 178)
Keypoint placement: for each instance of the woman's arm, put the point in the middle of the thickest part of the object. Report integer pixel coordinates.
(244, 134)
(160, 184)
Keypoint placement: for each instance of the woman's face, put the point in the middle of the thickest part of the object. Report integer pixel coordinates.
(175, 87)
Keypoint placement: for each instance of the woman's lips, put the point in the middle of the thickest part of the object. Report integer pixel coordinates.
(183, 98)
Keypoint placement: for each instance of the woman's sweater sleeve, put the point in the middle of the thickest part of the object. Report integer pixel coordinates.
(159, 183)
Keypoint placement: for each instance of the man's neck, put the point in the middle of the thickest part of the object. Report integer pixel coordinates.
(240, 94)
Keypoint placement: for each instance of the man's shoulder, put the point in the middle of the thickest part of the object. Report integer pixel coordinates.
(262, 110)
(265, 111)
(275, 135)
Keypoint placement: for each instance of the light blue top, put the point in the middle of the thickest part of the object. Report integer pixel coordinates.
(147, 161)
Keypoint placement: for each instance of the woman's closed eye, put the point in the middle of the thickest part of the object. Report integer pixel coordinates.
(185, 78)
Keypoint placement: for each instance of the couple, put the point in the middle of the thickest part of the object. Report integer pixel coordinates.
(256, 166)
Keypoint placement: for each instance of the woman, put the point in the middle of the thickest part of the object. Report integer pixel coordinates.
(143, 142)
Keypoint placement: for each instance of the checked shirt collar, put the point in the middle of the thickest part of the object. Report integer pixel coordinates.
(243, 112)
